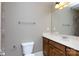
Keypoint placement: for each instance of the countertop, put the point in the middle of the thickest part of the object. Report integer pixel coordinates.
(67, 40)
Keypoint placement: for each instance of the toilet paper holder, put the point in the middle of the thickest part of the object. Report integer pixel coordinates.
(23, 22)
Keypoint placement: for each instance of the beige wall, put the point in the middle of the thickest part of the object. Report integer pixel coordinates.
(62, 20)
(15, 34)
(0, 25)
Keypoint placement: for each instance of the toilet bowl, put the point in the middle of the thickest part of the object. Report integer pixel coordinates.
(27, 49)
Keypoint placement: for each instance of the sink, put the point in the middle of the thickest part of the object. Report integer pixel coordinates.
(69, 38)
(66, 38)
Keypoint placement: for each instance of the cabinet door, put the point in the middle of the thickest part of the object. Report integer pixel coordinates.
(55, 51)
(45, 46)
(77, 54)
(51, 50)
(70, 52)
(57, 45)
(58, 52)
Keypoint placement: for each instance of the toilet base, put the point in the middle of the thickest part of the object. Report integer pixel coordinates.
(40, 53)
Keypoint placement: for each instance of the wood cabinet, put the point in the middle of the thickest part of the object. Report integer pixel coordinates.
(52, 48)
(51, 51)
(55, 49)
(71, 52)
(57, 52)
(45, 46)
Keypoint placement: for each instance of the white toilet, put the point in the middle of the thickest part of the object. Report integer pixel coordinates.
(27, 49)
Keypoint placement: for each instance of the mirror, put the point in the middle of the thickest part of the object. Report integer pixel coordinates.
(66, 21)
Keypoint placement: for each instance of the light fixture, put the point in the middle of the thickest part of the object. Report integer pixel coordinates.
(61, 5)
(57, 5)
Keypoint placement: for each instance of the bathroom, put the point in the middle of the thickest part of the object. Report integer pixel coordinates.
(23, 22)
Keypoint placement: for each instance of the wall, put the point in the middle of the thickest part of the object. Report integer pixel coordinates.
(0, 25)
(14, 34)
(76, 22)
(62, 20)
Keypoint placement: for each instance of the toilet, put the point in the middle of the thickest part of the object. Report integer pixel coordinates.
(27, 49)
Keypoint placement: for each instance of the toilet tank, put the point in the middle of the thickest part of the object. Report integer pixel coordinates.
(27, 47)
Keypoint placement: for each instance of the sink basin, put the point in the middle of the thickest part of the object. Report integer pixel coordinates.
(66, 38)
(69, 38)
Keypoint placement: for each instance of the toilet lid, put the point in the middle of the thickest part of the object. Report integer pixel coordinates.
(29, 55)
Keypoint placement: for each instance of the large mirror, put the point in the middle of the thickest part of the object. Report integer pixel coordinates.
(66, 20)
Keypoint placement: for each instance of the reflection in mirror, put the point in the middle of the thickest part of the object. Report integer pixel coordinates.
(66, 20)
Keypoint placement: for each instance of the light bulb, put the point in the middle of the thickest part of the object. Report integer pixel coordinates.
(65, 5)
(61, 8)
(62, 3)
(57, 6)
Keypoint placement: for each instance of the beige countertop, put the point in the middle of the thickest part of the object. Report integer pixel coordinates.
(67, 40)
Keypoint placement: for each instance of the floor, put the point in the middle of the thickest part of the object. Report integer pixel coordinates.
(40, 53)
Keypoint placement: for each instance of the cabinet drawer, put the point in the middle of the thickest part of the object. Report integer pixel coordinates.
(58, 52)
(51, 42)
(77, 53)
(70, 52)
(45, 39)
(57, 45)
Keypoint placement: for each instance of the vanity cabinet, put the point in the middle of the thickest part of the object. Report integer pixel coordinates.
(53, 51)
(55, 48)
(45, 46)
(71, 52)
(52, 48)
(57, 52)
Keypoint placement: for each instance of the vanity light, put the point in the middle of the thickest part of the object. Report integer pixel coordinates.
(61, 5)
(57, 5)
